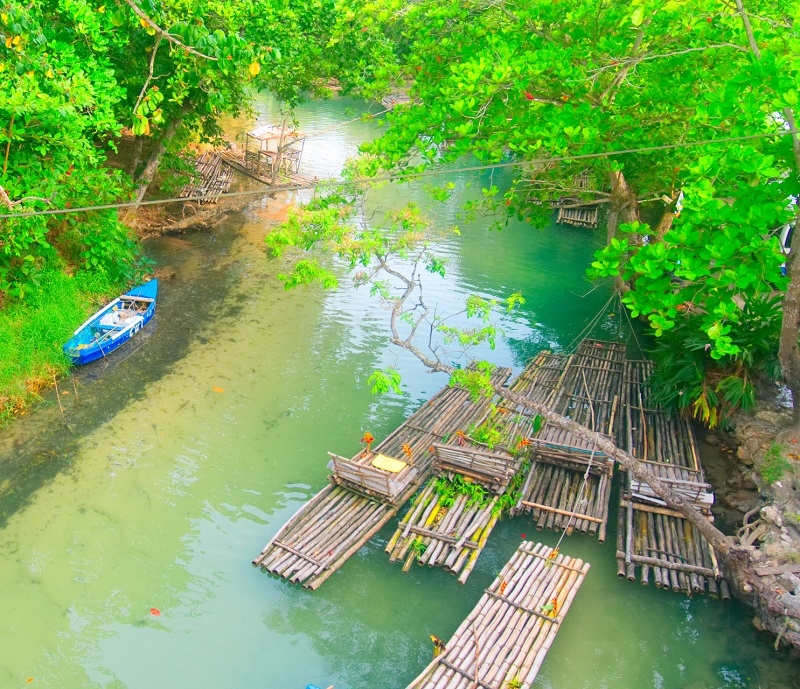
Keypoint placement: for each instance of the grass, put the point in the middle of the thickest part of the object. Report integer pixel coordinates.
(775, 465)
(32, 334)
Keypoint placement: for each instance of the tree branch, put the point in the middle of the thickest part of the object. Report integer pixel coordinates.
(748, 29)
(166, 34)
(150, 74)
(6, 200)
(635, 60)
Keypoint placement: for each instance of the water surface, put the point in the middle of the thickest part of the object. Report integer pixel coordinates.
(161, 490)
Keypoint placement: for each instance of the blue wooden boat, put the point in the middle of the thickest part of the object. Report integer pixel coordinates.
(113, 325)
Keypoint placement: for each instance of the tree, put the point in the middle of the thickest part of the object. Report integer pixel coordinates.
(538, 81)
(57, 98)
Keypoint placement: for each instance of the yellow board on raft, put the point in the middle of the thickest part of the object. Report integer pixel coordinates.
(388, 463)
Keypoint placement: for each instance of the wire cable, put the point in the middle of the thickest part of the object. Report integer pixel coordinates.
(402, 176)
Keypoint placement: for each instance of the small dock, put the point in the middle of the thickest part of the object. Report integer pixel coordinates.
(391, 101)
(650, 536)
(210, 179)
(365, 491)
(505, 639)
(271, 155)
(569, 483)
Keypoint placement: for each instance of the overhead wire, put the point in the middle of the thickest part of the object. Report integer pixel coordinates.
(395, 177)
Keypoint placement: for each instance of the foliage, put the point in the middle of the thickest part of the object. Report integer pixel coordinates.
(527, 80)
(687, 377)
(448, 489)
(775, 465)
(418, 547)
(392, 254)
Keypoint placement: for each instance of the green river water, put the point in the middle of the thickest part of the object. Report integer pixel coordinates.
(160, 490)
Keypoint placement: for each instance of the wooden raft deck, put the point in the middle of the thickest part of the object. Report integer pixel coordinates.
(650, 536)
(506, 637)
(210, 179)
(569, 482)
(344, 515)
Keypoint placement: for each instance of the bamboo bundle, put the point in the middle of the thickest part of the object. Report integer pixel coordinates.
(648, 432)
(557, 498)
(492, 469)
(506, 637)
(438, 536)
(321, 535)
(662, 541)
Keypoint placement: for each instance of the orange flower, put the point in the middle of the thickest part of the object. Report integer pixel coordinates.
(368, 438)
(406, 448)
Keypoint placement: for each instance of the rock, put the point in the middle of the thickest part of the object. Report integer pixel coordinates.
(712, 439)
(790, 582)
(758, 624)
(740, 500)
(165, 273)
(772, 515)
(773, 417)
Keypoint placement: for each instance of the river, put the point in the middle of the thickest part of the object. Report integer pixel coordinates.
(126, 532)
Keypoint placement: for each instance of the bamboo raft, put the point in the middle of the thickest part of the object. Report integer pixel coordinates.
(505, 639)
(569, 483)
(658, 540)
(345, 514)
(573, 211)
(394, 99)
(210, 179)
(453, 534)
(438, 536)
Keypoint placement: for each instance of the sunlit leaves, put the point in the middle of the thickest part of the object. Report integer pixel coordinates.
(386, 380)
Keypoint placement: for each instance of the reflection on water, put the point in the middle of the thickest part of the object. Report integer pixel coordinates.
(163, 488)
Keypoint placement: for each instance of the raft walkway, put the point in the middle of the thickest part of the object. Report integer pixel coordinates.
(651, 536)
(362, 497)
(504, 640)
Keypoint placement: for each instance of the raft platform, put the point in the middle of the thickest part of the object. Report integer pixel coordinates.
(505, 639)
(361, 497)
(210, 179)
(569, 482)
(650, 536)
(572, 211)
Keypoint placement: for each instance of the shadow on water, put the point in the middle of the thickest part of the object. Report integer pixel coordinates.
(35, 449)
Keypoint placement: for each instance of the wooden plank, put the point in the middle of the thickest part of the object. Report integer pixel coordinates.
(576, 515)
(770, 570)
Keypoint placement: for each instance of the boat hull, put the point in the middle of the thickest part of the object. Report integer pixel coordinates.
(113, 325)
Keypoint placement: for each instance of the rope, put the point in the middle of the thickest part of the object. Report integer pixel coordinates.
(631, 328)
(582, 335)
(531, 162)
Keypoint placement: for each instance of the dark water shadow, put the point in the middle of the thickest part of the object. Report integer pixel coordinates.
(38, 446)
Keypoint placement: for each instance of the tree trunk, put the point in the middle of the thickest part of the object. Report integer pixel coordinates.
(637, 468)
(136, 156)
(624, 209)
(788, 352)
(154, 159)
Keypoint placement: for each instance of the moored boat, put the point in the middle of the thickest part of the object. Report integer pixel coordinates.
(113, 325)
